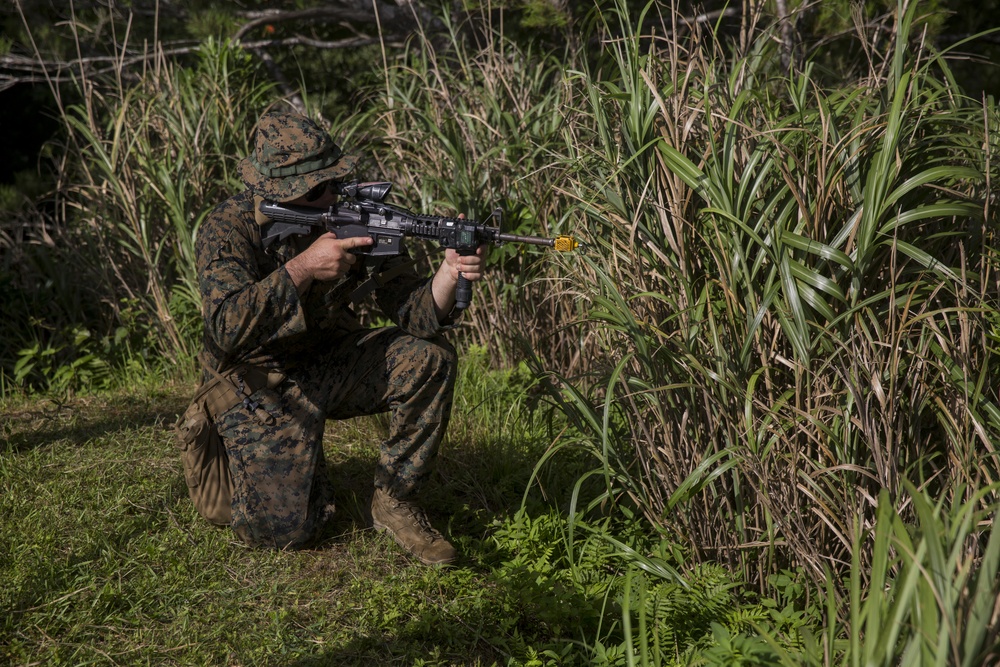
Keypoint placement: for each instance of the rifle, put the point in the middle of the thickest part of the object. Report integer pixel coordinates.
(362, 211)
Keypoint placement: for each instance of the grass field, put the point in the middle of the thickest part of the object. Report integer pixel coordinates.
(104, 560)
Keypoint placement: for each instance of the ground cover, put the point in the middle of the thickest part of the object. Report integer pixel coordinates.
(104, 560)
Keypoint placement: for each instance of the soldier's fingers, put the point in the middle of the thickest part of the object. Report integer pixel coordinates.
(471, 262)
(357, 242)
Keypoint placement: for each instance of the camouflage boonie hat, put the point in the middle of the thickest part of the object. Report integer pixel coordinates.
(292, 155)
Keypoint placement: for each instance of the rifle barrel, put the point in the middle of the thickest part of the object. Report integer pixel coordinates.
(534, 240)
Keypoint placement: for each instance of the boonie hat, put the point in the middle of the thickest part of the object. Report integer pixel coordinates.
(292, 155)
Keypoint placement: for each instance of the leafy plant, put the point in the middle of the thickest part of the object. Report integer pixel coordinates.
(66, 364)
(150, 160)
(785, 271)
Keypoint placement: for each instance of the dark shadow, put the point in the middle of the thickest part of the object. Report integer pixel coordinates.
(472, 484)
(77, 421)
(483, 634)
(352, 479)
(472, 487)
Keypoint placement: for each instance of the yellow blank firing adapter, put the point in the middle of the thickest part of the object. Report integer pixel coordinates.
(564, 243)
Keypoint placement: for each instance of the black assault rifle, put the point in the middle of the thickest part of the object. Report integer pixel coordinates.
(362, 211)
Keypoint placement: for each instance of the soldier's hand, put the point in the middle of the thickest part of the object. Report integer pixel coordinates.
(470, 266)
(328, 258)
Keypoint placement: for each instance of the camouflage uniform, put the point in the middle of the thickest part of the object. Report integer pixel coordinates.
(333, 367)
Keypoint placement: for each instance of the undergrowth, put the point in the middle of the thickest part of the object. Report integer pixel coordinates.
(104, 561)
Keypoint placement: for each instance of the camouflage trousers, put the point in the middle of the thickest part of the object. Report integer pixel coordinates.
(282, 494)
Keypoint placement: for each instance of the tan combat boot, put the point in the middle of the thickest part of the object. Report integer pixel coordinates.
(408, 525)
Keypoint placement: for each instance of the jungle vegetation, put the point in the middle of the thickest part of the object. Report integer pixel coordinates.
(757, 421)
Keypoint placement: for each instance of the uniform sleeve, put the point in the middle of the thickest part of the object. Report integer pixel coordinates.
(243, 310)
(407, 300)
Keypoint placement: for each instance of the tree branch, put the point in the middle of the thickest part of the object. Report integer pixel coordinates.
(400, 19)
(15, 69)
(400, 22)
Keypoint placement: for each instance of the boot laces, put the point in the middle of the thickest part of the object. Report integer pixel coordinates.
(419, 518)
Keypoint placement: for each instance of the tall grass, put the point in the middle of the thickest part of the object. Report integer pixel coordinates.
(933, 588)
(475, 123)
(143, 157)
(151, 158)
(795, 296)
(789, 308)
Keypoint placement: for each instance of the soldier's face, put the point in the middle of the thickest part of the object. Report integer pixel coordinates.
(321, 196)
